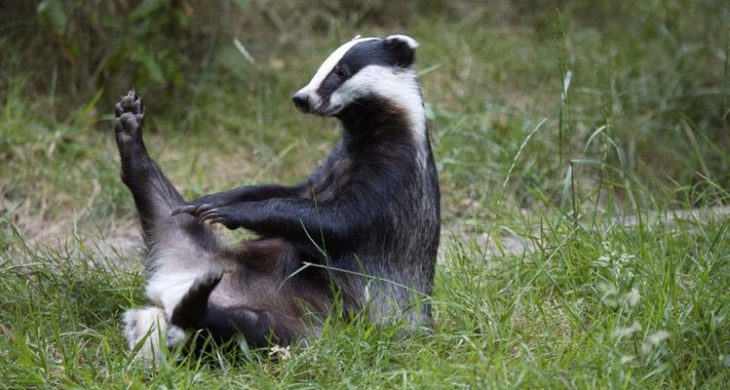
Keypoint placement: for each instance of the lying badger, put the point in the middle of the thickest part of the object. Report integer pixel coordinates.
(362, 229)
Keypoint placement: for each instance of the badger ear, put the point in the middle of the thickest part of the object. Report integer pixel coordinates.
(403, 49)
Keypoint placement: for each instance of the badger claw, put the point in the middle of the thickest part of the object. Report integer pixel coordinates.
(192, 209)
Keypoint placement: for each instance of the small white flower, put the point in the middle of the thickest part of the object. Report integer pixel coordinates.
(622, 332)
(653, 340)
(282, 352)
(627, 358)
(607, 288)
(603, 261)
(626, 258)
(657, 337)
(609, 294)
(632, 297)
(607, 246)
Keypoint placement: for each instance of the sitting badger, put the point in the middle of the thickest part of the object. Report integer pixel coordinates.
(362, 229)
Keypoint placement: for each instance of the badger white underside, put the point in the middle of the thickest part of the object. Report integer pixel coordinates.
(148, 328)
(173, 270)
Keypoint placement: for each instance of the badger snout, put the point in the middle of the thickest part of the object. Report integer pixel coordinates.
(302, 101)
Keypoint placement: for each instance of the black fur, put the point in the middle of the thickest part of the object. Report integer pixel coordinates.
(368, 218)
(370, 52)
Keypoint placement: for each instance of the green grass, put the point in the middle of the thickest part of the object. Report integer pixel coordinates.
(606, 307)
(640, 130)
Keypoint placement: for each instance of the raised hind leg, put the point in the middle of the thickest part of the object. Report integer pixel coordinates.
(255, 298)
(181, 249)
(153, 193)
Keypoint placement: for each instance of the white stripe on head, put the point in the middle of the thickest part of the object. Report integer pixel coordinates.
(331, 62)
(405, 38)
(397, 85)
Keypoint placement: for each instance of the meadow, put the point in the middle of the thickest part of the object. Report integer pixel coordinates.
(583, 155)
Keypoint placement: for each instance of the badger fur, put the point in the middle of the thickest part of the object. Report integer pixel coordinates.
(362, 229)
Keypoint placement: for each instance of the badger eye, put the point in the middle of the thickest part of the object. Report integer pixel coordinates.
(340, 72)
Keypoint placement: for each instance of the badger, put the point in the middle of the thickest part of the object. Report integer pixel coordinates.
(359, 236)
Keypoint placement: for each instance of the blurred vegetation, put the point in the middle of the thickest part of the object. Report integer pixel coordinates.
(635, 93)
(77, 47)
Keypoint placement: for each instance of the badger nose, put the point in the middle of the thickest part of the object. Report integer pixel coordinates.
(301, 100)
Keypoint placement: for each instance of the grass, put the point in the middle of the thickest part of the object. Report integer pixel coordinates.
(589, 308)
(639, 130)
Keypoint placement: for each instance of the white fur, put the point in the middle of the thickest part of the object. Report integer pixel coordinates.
(149, 325)
(326, 67)
(405, 38)
(171, 278)
(167, 289)
(173, 270)
(397, 85)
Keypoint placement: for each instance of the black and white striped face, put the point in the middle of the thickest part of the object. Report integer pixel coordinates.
(359, 69)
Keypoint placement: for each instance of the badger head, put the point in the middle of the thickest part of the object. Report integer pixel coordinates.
(361, 69)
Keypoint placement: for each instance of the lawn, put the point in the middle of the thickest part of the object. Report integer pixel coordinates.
(582, 150)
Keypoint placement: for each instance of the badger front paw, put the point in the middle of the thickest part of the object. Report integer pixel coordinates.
(228, 216)
(207, 202)
(129, 113)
